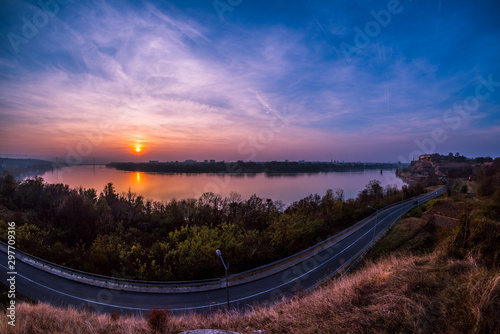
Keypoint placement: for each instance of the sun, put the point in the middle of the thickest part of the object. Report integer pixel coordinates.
(138, 148)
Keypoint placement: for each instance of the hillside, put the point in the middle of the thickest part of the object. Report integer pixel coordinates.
(430, 167)
(437, 271)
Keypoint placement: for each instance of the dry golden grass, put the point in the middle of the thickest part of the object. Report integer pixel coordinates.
(402, 293)
(425, 294)
(43, 318)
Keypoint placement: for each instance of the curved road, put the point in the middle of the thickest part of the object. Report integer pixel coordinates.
(41, 285)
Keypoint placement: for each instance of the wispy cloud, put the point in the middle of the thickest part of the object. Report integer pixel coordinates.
(166, 74)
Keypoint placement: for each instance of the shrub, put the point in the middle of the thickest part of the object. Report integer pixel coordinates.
(115, 316)
(158, 319)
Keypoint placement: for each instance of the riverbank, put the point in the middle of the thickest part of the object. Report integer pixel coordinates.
(21, 168)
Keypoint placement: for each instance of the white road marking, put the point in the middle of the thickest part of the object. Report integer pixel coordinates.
(211, 305)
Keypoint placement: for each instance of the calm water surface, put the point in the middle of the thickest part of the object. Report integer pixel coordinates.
(164, 187)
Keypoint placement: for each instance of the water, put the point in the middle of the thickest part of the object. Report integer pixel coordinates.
(164, 187)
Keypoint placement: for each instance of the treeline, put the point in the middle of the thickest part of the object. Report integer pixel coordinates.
(21, 168)
(270, 167)
(125, 235)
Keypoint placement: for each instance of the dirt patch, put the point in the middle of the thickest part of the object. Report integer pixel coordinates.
(440, 220)
(445, 212)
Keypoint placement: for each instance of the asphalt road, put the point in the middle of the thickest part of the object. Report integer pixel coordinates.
(41, 285)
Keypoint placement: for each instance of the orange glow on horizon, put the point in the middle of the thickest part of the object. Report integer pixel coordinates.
(138, 148)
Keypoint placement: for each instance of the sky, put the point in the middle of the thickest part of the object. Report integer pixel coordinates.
(249, 80)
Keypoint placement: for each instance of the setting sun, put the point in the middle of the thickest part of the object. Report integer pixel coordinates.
(138, 147)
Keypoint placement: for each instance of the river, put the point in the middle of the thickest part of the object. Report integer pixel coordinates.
(163, 187)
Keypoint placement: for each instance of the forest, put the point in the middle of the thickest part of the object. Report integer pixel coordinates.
(128, 236)
(270, 167)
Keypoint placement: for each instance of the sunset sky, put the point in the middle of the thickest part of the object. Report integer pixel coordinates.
(249, 80)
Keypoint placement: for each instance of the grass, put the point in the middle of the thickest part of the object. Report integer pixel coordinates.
(412, 235)
(410, 284)
(397, 294)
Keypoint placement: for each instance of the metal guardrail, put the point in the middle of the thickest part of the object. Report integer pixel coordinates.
(351, 263)
(277, 262)
(108, 278)
(194, 283)
(358, 257)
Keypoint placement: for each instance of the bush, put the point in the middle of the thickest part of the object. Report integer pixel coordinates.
(158, 319)
(460, 235)
(115, 316)
(476, 237)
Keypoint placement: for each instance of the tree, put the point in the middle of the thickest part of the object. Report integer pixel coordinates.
(254, 217)
(104, 254)
(77, 216)
(105, 221)
(8, 186)
(30, 193)
(375, 189)
(109, 193)
(290, 233)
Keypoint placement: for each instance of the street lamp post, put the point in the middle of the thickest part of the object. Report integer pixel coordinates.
(219, 253)
(376, 223)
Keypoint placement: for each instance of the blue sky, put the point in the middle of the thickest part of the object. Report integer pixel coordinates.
(249, 80)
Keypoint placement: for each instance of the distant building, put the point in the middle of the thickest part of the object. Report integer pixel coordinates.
(189, 161)
(153, 162)
(429, 157)
(212, 161)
